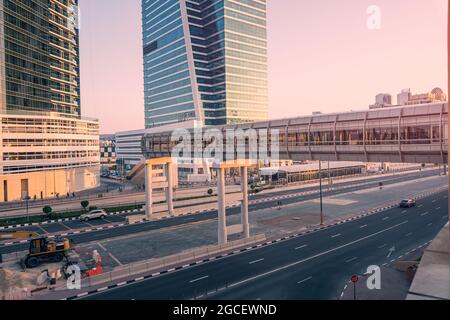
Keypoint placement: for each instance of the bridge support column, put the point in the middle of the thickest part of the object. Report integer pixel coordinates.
(148, 190)
(244, 228)
(244, 207)
(222, 234)
(169, 189)
(159, 179)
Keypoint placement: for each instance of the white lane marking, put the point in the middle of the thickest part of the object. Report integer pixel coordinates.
(256, 261)
(336, 235)
(387, 218)
(301, 247)
(438, 208)
(317, 255)
(364, 226)
(424, 214)
(409, 234)
(199, 279)
(434, 201)
(430, 224)
(304, 280)
(420, 206)
(351, 260)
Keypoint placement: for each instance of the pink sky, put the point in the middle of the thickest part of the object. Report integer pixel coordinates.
(322, 56)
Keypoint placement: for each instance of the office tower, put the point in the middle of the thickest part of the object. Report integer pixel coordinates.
(46, 148)
(204, 60)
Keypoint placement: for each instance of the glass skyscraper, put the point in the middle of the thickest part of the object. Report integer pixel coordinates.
(205, 60)
(39, 56)
(46, 148)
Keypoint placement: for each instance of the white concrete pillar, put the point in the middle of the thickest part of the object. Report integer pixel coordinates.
(244, 207)
(169, 189)
(148, 191)
(222, 229)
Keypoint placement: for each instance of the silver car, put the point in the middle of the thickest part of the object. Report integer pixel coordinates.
(94, 214)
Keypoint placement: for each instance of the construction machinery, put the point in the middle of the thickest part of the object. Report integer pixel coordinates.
(42, 249)
(19, 235)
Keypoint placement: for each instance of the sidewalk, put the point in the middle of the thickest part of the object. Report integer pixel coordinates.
(432, 280)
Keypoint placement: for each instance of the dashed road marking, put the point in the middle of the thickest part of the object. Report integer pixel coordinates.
(304, 280)
(256, 261)
(336, 235)
(351, 260)
(301, 247)
(199, 279)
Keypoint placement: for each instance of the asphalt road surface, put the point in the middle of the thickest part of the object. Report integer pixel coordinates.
(313, 266)
(210, 215)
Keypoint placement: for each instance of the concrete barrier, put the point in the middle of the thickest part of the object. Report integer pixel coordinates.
(136, 219)
(172, 261)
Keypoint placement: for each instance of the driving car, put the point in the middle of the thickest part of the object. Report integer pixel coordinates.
(94, 214)
(407, 203)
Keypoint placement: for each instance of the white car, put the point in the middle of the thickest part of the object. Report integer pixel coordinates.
(94, 214)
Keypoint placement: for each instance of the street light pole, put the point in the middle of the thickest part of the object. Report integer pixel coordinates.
(27, 198)
(321, 193)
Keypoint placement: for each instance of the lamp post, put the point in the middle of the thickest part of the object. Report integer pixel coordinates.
(321, 194)
(27, 199)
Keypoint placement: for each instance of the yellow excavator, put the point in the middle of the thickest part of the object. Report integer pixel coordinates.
(19, 235)
(41, 249)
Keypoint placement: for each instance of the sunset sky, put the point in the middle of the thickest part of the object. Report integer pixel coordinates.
(322, 56)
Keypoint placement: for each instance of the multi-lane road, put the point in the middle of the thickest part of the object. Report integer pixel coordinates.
(258, 202)
(311, 266)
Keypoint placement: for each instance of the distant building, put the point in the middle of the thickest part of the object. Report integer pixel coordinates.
(310, 171)
(382, 100)
(436, 95)
(108, 150)
(403, 97)
(128, 146)
(406, 98)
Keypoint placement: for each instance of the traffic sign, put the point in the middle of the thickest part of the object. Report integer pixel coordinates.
(355, 279)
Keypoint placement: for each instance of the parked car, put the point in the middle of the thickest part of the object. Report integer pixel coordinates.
(94, 214)
(407, 203)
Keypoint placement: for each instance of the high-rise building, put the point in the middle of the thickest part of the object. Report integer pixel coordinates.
(46, 148)
(204, 60)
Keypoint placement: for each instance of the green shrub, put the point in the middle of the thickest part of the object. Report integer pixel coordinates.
(84, 204)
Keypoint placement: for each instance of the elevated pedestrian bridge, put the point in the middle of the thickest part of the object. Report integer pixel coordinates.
(410, 134)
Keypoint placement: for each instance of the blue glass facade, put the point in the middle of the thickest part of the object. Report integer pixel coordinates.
(204, 60)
